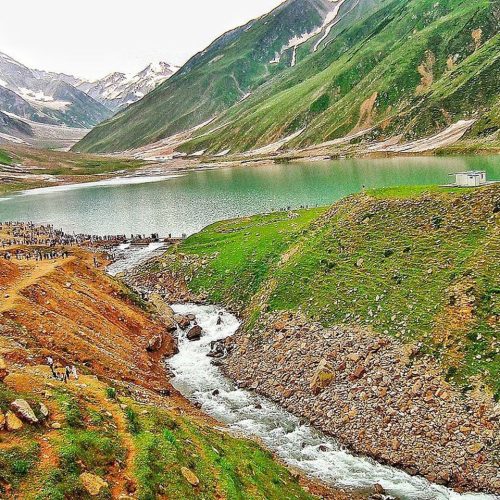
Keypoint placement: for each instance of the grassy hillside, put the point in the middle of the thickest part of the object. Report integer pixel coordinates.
(410, 68)
(137, 449)
(418, 263)
(212, 81)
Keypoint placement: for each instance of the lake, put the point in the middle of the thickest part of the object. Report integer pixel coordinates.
(188, 202)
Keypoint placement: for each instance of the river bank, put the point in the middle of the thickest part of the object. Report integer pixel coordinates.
(373, 321)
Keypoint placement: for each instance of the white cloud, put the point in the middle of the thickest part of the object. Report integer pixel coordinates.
(94, 37)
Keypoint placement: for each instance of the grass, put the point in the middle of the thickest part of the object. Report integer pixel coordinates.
(87, 443)
(16, 463)
(19, 459)
(227, 466)
(5, 158)
(406, 192)
(237, 255)
(397, 260)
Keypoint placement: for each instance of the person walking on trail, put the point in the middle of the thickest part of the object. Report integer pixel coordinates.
(50, 362)
(67, 372)
(73, 372)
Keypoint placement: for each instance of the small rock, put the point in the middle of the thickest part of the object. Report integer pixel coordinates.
(475, 448)
(3, 369)
(358, 372)
(24, 411)
(182, 321)
(92, 483)
(44, 411)
(12, 423)
(190, 477)
(195, 333)
(155, 343)
(56, 425)
(379, 489)
(322, 378)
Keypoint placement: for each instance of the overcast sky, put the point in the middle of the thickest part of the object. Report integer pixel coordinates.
(92, 38)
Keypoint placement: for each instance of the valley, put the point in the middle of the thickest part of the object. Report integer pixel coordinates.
(353, 320)
(269, 271)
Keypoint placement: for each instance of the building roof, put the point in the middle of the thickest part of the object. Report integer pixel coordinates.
(470, 172)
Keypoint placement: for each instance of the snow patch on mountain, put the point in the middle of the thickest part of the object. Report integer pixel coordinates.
(328, 23)
(117, 90)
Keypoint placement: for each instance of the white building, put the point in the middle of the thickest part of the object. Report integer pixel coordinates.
(471, 178)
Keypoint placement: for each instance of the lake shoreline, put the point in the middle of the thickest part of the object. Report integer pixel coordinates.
(187, 164)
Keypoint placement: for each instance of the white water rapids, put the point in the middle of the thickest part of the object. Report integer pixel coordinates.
(298, 445)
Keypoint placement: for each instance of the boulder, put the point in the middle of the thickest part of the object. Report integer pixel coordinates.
(322, 377)
(155, 343)
(190, 476)
(44, 411)
(195, 333)
(12, 423)
(182, 321)
(92, 483)
(24, 411)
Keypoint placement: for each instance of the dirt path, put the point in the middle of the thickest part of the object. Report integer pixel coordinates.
(122, 477)
(31, 272)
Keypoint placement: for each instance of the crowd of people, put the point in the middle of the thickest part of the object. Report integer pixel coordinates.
(37, 255)
(28, 233)
(62, 373)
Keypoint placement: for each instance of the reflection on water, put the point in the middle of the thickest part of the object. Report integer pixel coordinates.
(188, 203)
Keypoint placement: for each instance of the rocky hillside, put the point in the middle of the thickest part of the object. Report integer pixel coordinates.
(42, 98)
(226, 72)
(119, 430)
(372, 71)
(384, 305)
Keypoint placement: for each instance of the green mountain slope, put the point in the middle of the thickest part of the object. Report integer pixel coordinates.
(416, 263)
(213, 80)
(396, 67)
(412, 68)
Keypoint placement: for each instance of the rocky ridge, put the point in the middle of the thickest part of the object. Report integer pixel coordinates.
(377, 396)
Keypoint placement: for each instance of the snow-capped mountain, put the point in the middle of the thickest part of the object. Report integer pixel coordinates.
(46, 97)
(31, 96)
(118, 90)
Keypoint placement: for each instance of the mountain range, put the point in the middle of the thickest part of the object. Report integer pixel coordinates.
(315, 71)
(33, 99)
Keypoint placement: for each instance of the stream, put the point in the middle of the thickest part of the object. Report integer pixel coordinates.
(299, 445)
